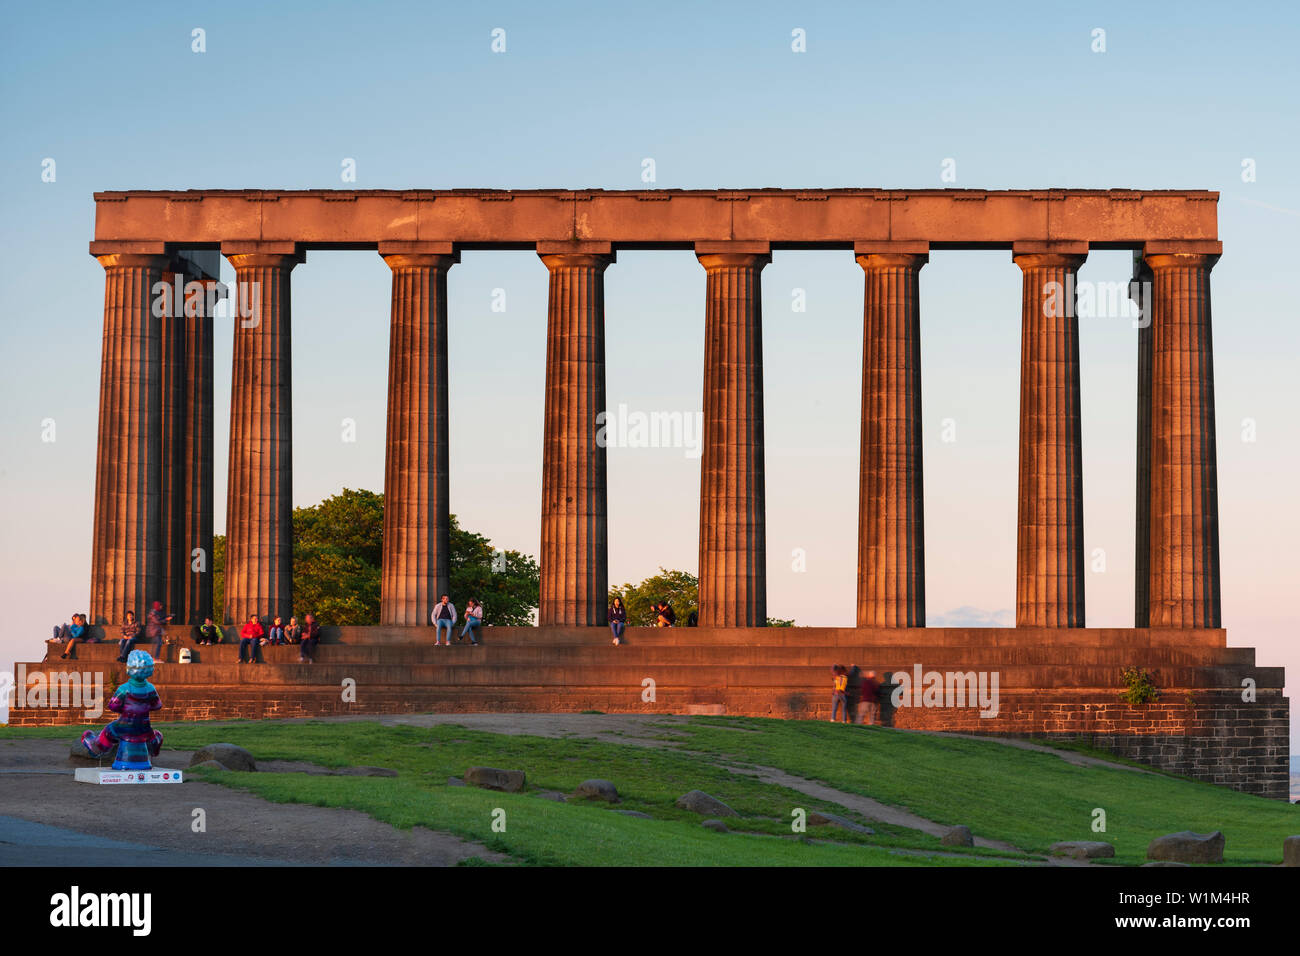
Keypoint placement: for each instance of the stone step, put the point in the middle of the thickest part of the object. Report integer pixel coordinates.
(769, 636)
(726, 654)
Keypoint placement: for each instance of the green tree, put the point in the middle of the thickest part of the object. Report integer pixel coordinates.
(338, 550)
(681, 589)
(508, 583)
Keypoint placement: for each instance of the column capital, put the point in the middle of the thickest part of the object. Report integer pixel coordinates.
(884, 254)
(1069, 253)
(258, 252)
(419, 255)
(1164, 254)
(131, 253)
(413, 253)
(557, 254)
(718, 254)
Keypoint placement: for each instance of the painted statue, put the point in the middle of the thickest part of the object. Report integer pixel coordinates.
(135, 738)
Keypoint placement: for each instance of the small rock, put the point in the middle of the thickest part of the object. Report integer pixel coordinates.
(490, 778)
(232, 757)
(717, 826)
(1187, 847)
(1291, 851)
(818, 819)
(697, 801)
(1165, 863)
(635, 813)
(455, 782)
(80, 754)
(958, 836)
(597, 790)
(1083, 849)
(551, 795)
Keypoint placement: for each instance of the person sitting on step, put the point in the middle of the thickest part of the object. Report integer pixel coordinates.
(209, 633)
(249, 638)
(473, 618)
(444, 615)
(130, 634)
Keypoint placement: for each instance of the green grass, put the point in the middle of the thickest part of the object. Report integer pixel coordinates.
(1024, 798)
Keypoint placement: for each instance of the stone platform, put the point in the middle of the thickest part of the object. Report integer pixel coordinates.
(1052, 683)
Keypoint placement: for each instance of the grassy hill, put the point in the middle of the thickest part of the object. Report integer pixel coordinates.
(1023, 798)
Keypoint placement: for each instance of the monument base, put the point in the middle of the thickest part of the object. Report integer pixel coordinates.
(1051, 683)
(156, 775)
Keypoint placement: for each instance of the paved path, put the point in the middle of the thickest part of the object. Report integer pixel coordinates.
(239, 827)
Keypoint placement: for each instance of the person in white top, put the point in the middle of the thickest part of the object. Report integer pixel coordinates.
(473, 618)
(444, 615)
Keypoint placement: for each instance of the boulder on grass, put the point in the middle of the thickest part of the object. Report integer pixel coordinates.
(958, 836)
(1083, 849)
(717, 826)
(697, 801)
(80, 754)
(490, 778)
(818, 819)
(551, 795)
(1187, 847)
(597, 790)
(455, 782)
(228, 755)
(1291, 851)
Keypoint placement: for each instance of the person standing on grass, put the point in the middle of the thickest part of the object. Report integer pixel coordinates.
(839, 686)
(444, 615)
(130, 634)
(871, 698)
(310, 638)
(617, 619)
(853, 695)
(248, 639)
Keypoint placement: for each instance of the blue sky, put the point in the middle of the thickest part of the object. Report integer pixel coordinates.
(1013, 93)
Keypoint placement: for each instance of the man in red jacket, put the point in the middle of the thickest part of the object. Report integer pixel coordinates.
(248, 638)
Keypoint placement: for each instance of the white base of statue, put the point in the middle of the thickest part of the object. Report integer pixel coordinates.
(156, 775)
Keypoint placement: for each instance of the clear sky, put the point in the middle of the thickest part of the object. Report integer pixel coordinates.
(1016, 95)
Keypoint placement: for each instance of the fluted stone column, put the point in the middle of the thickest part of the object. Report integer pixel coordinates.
(259, 508)
(1184, 565)
(1140, 292)
(416, 560)
(733, 532)
(1049, 540)
(175, 560)
(199, 469)
(891, 526)
(127, 548)
(575, 536)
